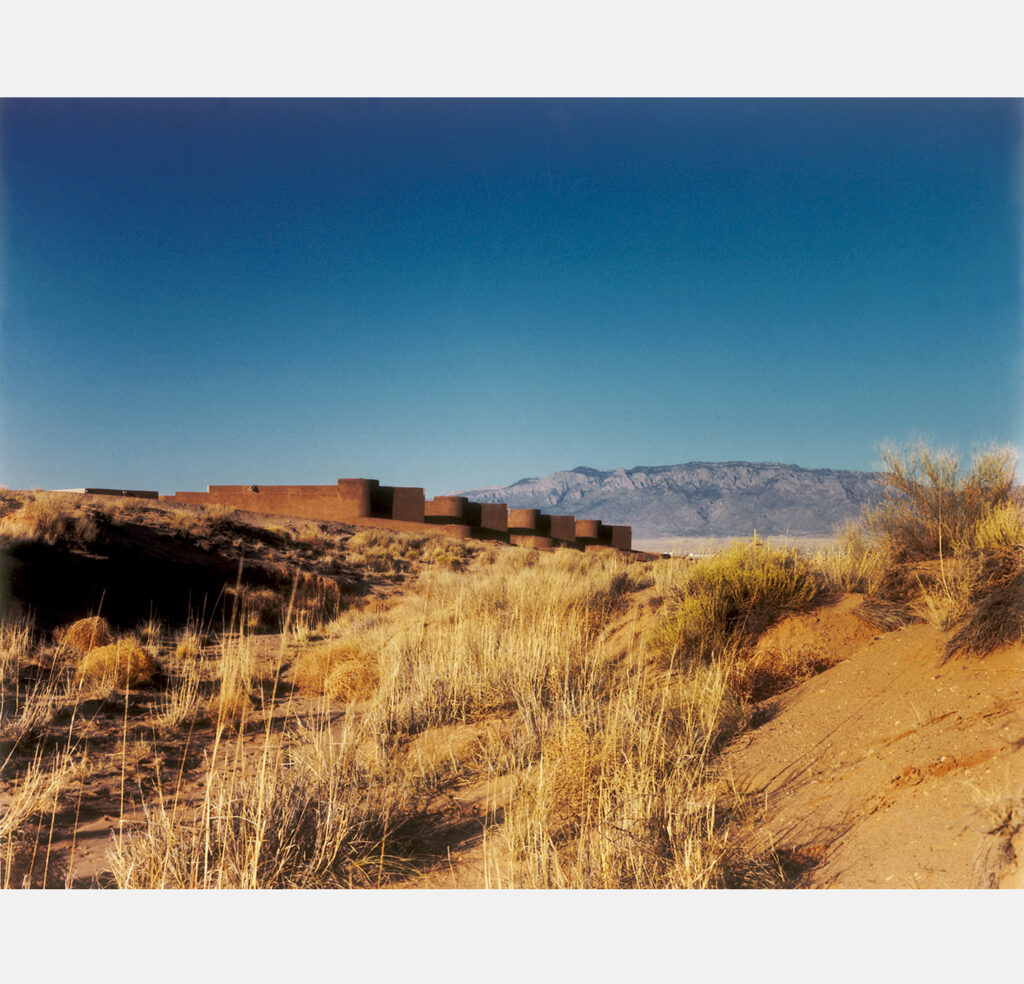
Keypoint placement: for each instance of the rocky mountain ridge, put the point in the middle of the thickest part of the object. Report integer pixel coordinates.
(730, 498)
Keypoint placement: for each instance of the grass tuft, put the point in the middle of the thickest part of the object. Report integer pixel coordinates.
(731, 598)
(338, 671)
(124, 664)
(86, 634)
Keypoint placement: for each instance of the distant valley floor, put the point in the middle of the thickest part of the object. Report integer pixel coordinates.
(680, 546)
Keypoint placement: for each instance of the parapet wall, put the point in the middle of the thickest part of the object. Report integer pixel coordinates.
(364, 501)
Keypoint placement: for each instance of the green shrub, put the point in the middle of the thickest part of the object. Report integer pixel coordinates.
(731, 598)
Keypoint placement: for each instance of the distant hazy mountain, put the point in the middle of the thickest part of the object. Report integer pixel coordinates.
(729, 498)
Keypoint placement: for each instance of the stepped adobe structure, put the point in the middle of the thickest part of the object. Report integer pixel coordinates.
(365, 502)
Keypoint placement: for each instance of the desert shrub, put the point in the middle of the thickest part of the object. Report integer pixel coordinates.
(53, 517)
(731, 598)
(339, 671)
(86, 634)
(930, 507)
(124, 663)
(994, 607)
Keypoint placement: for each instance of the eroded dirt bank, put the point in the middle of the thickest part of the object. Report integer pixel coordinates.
(892, 769)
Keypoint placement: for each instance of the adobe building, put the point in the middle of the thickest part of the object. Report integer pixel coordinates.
(365, 502)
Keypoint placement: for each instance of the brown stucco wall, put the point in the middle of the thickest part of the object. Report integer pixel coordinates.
(364, 501)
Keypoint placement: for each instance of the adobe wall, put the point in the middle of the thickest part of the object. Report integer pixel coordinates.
(364, 501)
(491, 516)
(588, 531)
(563, 528)
(446, 509)
(351, 499)
(620, 537)
(524, 522)
(395, 502)
(132, 493)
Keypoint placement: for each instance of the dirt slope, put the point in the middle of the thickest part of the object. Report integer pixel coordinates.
(891, 769)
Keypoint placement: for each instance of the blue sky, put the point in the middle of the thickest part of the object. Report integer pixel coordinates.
(455, 293)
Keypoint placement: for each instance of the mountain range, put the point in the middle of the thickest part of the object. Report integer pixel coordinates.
(723, 499)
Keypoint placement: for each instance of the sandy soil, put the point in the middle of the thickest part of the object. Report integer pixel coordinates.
(891, 769)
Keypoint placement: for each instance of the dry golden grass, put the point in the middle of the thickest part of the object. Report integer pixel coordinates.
(190, 645)
(238, 673)
(763, 672)
(182, 700)
(52, 517)
(39, 792)
(504, 669)
(511, 672)
(850, 564)
(86, 634)
(314, 818)
(124, 664)
(17, 641)
(624, 796)
(337, 670)
(1002, 527)
(731, 598)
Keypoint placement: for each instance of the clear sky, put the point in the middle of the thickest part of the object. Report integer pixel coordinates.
(456, 293)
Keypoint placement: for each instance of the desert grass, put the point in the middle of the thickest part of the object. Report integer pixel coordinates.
(36, 685)
(763, 672)
(516, 635)
(732, 597)
(38, 793)
(526, 673)
(190, 643)
(17, 640)
(312, 818)
(124, 664)
(86, 634)
(521, 671)
(1002, 527)
(850, 563)
(624, 794)
(183, 699)
(944, 596)
(237, 673)
(51, 517)
(387, 552)
(337, 670)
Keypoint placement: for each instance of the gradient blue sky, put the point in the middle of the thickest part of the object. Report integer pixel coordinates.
(455, 293)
